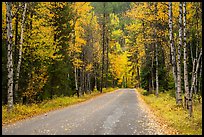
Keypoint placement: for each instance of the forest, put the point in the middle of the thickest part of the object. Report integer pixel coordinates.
(52, 49)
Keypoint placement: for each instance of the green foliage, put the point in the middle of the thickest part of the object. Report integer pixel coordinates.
(145, 93)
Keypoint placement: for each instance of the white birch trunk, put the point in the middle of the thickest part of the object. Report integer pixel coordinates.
(152, 74)
(200, 81)
(157, 80)
(197, 46)
(76, 78)
(195, 71)
(186, 84)
(173, 50)
(179, 56)
(20, 50)
(9, 55)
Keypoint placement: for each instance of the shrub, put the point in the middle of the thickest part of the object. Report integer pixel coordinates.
(145, 92)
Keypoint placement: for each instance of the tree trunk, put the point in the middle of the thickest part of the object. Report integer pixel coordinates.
(15, 53)
(107, 50)
(138, 74)
(193, 83)
(157, 80)
(89, 82)
(186, 84)
(9, 55)
(20, 50)
(103, 35)
(179, 55)
(76, 78)
(81, 82)
(197, 42)
(152, 72)
(146, 51)
(95, 81)
(200, 82)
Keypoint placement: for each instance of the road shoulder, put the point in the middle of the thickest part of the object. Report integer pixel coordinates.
(162, 127)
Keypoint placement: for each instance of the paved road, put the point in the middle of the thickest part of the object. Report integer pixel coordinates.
(119, 112)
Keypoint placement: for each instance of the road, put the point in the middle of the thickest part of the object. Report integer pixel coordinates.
(117, 113)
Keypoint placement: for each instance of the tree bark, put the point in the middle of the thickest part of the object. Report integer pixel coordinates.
(200, 82)
(157, 79)
(9, 55)
(138, 74)
(20, 50)
(193, 83)
(103, 35)
(186, 84)
(16, 51)
(197, 42)
(179, 56)
(76, 78)
(152, 71)
(107, 51)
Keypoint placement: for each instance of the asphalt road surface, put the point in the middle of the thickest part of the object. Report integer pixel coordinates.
(116, 113)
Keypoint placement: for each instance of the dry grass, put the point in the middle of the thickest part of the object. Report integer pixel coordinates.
(165, 108)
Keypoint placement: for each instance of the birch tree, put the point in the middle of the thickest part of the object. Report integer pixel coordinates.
(194, 73)
(179, 97)
(185, 58)
(173, 50)
(9, 55)
(20, 49)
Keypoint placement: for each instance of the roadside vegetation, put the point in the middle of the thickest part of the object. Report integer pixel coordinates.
(165, 108)
(21, 111)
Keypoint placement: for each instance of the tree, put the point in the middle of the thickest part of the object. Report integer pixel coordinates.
(186, 98)
(9, 54)
(157, 81)
(20, 49)
(173, 50)
(179, 97)
(195, 71)
(103, 45)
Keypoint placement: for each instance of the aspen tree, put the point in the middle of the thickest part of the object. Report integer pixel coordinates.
(9, 55)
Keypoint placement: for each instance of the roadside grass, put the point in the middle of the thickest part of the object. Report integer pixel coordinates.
(165, 108)
(20, 111)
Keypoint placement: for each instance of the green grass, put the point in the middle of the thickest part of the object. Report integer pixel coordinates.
(20, 112)
(174, 116)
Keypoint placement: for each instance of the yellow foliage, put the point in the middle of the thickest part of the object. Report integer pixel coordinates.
(118, 65)
(89, 68)
(3, 16)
